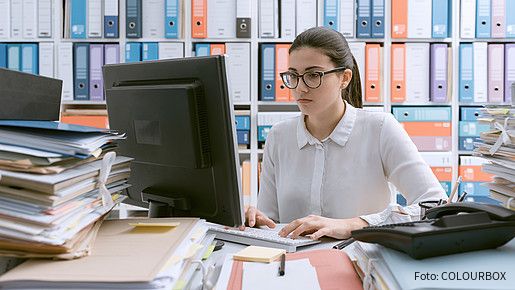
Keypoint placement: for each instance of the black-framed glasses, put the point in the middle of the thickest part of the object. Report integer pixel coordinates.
(312, 79)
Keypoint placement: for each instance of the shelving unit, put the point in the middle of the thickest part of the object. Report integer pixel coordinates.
(255, 106)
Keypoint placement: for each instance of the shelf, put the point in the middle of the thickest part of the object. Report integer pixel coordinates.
(461, 152)
(211, 40)
(500, 40)
(483, 104)
(290, 40)
(95, 103)
(430, 104)
(244, 151)
(92, 40)
(26, 40)
(260, 151)
(432, 40)
(271, 103)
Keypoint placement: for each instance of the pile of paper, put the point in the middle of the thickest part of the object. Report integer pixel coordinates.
(384, 268)
(57, 183)
(498, 146)
(128, 254)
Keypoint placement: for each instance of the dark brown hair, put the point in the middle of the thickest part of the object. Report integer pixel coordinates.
(333, 44)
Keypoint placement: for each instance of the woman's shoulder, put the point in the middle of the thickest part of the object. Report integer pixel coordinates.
(373, 118)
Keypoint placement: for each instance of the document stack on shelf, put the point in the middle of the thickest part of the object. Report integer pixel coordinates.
(128, 254)
(498, 147)
(57, 183)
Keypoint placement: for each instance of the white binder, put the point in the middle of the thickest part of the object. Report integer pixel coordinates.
(347, 17)
(94, 24)
(153, 18)
(45, 18)
(65, 69)
(420, 18)
(29, 20)
(417, 70)
(5, 19)
(221, 18)
(46, 59)
(16, 19)
(468, 19)
(239, 71)
(358, 51)
(480, 53)
(288, 19)
(306, 15)
(168, 50)
(268, 18)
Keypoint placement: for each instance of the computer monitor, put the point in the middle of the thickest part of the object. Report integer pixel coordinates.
(180, 127)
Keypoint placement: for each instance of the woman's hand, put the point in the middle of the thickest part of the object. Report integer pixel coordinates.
(316, 226)
(255, 218)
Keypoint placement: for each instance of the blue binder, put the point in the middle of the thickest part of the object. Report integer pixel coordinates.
(29, 58)
(243, 137)
(242, 122)
(422, 114)
(267, 72)
(331, 14)
(466, 73)
(133, 18)
(472, 128)
(363, 21)
(467, 143)
(133, 52)
(14, 57)
(510, 18)
(483, 18)
(377, 19)
(81, 71)
(474, 189)
(78, 18)
(150, 51)
(440, 19)
(3, 55)
(469, 113)
(172, 19)
(202, 49)
(111, 23)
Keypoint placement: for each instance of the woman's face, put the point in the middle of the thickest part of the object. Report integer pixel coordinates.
(315, 101)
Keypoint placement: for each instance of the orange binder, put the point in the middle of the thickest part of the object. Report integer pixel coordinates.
(282, 93)
(442, 173)
(427, 128)
(217, 48)
(334, 270)
(398, 73)
(245, 178)
(373, 73)
(199, 18)
(473, 173)
(400, 18)
(85, 120)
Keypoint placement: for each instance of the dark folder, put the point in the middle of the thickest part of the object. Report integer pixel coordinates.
(26, 96)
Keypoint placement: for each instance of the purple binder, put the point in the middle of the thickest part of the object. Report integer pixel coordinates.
(438, 73)
(96, 61)
(509, 70)
(432, 143)
(111, 53)
(498, 18)
(496, 73)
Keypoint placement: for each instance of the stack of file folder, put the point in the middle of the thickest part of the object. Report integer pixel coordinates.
(383, 268)
(498, 146)
(56, 187)
(128, 254)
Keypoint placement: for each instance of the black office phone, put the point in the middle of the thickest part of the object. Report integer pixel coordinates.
(447, 229)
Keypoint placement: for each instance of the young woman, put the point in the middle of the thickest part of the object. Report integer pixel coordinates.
(326, 172)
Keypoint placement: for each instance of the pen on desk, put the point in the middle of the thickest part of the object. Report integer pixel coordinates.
(454, 189)
(343, 243)
(282, 265)
(462, 197)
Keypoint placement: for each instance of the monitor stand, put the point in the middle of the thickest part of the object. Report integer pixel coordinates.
(164, 206)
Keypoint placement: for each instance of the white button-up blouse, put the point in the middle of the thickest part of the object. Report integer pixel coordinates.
(347, 174)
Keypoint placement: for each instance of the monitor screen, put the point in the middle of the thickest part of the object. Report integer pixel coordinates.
(179, 121)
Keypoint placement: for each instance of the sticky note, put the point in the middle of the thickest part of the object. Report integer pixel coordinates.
(170, 225)
(258, 254)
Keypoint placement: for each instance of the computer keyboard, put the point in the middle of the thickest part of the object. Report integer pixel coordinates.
(259, 237)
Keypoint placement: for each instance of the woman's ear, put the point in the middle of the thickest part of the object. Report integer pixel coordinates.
(346, 78)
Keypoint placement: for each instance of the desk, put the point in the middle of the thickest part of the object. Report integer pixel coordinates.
(218, 257)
